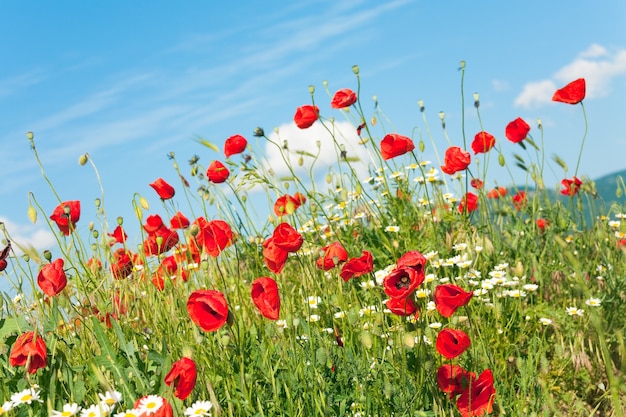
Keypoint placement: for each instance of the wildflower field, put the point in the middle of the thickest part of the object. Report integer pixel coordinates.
(394, 286)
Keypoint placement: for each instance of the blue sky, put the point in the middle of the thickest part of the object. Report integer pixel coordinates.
(129, 82)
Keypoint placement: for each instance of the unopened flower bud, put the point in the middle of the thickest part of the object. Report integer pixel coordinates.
(318, 144)
(97, 202)
(422, 145)
(47, 255)
(442, 115)
(144, 203)
(462, 65)
(91, 225)
(311, 89)
(159, 241)
(300, 161)
(501, 160)
(325, 83)
(82, 160)
(32, 214)
(539, 124)
(329, 179)
(420, 103)
(95, 234)
(355, 69)
(30, 135)
(194, 229)
(476, 100)
(258, 132)
(120, 220)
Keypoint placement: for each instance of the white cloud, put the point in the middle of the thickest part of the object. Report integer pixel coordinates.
(536, 93)
(298, 140)
(28, 235)
(596, 64)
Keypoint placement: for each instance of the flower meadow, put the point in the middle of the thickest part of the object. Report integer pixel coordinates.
(394, 286)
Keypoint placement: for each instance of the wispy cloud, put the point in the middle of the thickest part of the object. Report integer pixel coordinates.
(28, 235)
(596, 64)
(13, 85)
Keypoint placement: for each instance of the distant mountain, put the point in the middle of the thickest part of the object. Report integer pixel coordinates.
(607, 187)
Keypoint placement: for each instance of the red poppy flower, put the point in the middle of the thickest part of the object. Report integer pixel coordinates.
(66, 215)
(402, 282)
(208, 309)
(394, 145)
(455, 160)
(275, 257)
(265, 297)
(234, 145)
(3, 264)
(30, 350)
(572, 93)
(334, 254)
(119, 235)
(183, 375)
(477, 399)
(401, 306)
(164, 411)
(160, 241)
(449, 297)
(343, 98)
(153, 223)
(483, 142)
(287, 204)
(217, 172)
(541, 224)
(476, 183)
(497, 192)
(122, 264)
(306, 115)
(469, 200)
(451, 343)
(517, 130)
(163, 189)
(213, 236)
(571, 187)
(287, 238)
(412, 259)
(179, 221)
(519, 200)
(355, 267)
(453, 380)
(51, 278)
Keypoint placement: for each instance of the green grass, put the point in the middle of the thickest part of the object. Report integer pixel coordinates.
(343, 355)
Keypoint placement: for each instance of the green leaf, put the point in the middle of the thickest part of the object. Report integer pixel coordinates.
(13, 325)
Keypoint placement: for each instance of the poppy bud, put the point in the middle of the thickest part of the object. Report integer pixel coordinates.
(82, 160)
(462, 65)
(420, 103)
(325, 83)
(32, 214)
(144, 203)
(258, 132)
(355, 69)
(476, 100)
(30, 135)
(47, 255)
(422, 145)
(300, 161)
(501, 160)
(90, 226)
(311, 89)
(95, 234)
(97, 203)
(26, 258)
(539, 124)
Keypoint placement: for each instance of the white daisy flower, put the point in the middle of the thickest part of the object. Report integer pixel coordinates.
(199, 408)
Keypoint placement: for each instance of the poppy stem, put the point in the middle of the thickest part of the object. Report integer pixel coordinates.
(582, 144)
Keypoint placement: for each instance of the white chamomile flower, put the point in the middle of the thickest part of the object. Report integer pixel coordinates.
(128, 413)
(313, 301)
(545, 321)
(573, 311)
(111, 398)
(593, 302)
(199, 408)
(314, 318)
(392, 229)
(6, 407)
(96, 410)
(25, 397)
(150, 404)
(68, 410)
